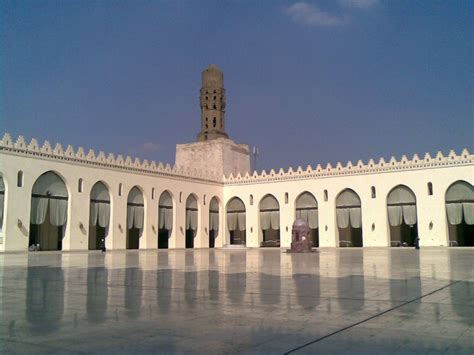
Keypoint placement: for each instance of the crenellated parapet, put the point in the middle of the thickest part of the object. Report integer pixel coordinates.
(371, 167)
(110, 161)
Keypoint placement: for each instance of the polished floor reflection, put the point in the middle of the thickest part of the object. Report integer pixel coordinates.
(239, 301)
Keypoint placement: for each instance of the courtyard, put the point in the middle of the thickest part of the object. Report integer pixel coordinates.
(238, 301)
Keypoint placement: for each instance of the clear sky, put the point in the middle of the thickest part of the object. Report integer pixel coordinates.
(307, 82)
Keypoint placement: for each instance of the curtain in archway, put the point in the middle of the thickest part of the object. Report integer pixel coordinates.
(49, 191)
(214, 215)
(191, 213)
(307, 209)
(269, 213)
(348, 210)
(135, 209)
(100, 206)
(401, 206)
(165, 211)
(236, 215)
(460, 203)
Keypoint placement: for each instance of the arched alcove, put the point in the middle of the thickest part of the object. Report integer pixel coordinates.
(191, 220)
(135, 217)
(460, 214)
(213, 221)
(402, 219)
(349, 219)
(165, 219)
(307, 209)
(236, 221)
(270, 221)
(49, 205)
(99, 216)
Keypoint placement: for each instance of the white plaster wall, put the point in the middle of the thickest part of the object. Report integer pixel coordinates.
(18, 203)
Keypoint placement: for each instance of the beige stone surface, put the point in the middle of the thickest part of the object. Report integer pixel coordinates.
(219, 156)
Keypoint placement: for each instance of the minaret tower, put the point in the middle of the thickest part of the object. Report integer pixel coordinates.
(214, 151)
(212, 101)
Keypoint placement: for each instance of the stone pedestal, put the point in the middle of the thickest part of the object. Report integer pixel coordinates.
(221, 156)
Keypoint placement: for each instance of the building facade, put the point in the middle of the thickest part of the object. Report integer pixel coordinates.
(53, 198)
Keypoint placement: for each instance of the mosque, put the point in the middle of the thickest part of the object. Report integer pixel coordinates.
(56, 198)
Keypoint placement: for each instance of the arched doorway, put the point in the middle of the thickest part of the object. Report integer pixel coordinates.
(401, 208)
(191, 220)
(460, 214)
(270, 221)
(307, 209)
(99, 215)
(135, 216)
(2, 202)
(349, 219)
(236, 221)
(213, 221)
(49, 200)
(165, 220)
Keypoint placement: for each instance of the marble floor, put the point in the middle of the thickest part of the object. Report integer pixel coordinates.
(238, 301)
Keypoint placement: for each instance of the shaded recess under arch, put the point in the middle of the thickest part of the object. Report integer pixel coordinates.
(191, 220)
(213, 221)
(49, 204)
(135, 217)
(307, 209)
(460, 214)
(99, 218)
(270, 221)
(349, 219)
(165, 219)
(402, 219)
(236, 221)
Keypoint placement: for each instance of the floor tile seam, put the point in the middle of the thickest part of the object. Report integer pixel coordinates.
(368, 319)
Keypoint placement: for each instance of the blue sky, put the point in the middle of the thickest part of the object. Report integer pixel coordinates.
(307, 82)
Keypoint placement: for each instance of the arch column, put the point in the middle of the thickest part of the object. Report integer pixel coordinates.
(149, 238)
(178, 237)
(117, 238)
(432, 209)
(253, 232)
(202, 234)
(17, 207)
(287, 217)
(327, 217)
(76, 238)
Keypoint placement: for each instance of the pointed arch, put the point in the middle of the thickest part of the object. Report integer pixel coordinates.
(349, 218)
(213, 220)
(99, 215)
(270, 220)
(306, 207)
(135, 217)
(191, 219)
(49, 210)
(165, 219)
(236, 221)
(402, 216)
(459, 200)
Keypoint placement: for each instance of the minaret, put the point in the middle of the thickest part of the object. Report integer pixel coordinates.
(214, 151)
(212, 102)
